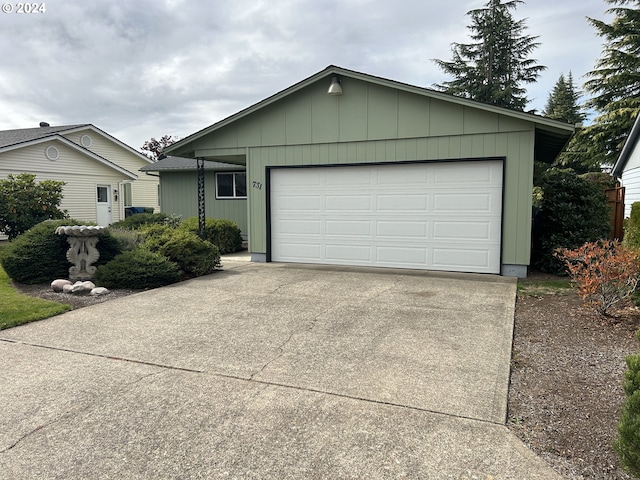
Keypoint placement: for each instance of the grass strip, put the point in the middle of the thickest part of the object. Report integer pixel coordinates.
(17, 308)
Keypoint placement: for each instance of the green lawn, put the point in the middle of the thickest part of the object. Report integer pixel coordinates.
(17, 308)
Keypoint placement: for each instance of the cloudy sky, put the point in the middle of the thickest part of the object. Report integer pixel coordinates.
(140, 69)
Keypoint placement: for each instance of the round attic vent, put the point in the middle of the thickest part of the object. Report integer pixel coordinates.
(85, 140)
(51, 152)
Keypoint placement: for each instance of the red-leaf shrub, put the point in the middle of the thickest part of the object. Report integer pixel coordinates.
(605, 273)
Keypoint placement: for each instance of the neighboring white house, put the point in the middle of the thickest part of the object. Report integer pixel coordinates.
(101, 173)
(627, 168)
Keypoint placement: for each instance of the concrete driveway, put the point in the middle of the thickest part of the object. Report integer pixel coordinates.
(270, 371)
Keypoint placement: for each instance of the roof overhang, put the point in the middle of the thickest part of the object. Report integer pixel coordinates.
(627, 149)
(556, 132)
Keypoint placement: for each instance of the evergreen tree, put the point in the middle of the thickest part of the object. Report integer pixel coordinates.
(563, 103)
(494, 68)
(615, 82)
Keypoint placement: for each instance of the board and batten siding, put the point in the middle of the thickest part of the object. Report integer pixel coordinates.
(180, 197)
(144, 190)
(372, 123)
(80, 174)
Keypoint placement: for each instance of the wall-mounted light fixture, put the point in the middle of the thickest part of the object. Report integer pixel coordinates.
(335, 89)
(115, 194)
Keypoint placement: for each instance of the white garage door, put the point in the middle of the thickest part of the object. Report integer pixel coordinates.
(436, 216)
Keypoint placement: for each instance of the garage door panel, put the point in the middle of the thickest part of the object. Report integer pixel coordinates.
(405, 256)
(465, 202)
(297, 203)
(461, 259)
(402, 203)
(347, 254)
(297, 226)
(488, 230)
(349, 228)
(440, 216)
(348, 203)
(402, 229)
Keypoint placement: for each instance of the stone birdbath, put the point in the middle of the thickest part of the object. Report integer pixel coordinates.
(82, 251)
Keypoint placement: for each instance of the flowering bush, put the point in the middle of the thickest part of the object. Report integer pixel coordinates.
(605, 273)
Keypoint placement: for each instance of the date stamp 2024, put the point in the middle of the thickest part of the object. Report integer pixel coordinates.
(23, 8)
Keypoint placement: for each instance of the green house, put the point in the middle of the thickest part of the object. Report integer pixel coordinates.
(346, 168)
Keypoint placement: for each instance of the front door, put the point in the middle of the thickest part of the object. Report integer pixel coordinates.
(103, 206)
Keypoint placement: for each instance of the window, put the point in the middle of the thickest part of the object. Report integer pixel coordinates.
(231, 185)
(126, 195)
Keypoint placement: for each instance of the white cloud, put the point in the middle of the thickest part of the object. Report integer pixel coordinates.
(148, 68)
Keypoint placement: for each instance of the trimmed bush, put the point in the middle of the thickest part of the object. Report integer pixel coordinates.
(194, 256)
(572, 212)
(39, 255)
(137, 269)
(139, 220)
(224, 234)
(632, 228)
(127, 239)
(627, 444)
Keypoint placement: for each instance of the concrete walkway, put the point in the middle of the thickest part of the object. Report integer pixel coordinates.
(270, 371)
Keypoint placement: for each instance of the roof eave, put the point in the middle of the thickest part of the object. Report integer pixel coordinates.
(627, 149)
(541, 122)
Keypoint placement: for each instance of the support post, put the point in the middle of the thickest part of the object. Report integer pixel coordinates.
(201, 212)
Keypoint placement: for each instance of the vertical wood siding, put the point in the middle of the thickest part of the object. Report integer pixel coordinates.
(180, 197)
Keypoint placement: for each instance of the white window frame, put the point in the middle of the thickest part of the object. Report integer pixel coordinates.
(235, 191)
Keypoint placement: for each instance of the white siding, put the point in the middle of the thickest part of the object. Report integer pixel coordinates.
(145, 188)
(631, 182)
(80, 173)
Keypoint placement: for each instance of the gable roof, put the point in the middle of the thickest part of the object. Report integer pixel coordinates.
(12, 137)
(627, 149)
(16, 139)
(185, 164)
(551, 135)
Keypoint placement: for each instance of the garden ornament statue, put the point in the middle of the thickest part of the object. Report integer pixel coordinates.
(82, 251)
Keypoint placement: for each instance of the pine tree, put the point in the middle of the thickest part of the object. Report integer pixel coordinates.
(615, 82)
(494, 68)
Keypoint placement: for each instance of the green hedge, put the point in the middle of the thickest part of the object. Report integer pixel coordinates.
(632, 228)
(572, 211)
(139, 220)
(137, 269)
(627, 444)
(40, 256)
(224, 234)
(194, 256)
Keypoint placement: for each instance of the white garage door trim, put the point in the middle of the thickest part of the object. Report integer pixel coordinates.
(427, 215)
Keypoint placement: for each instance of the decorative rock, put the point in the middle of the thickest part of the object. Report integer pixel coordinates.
(67, 288)
(58, 285)
(80, 287)
(99, 291)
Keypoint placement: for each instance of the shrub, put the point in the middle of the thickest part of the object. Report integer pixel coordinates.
(605, 272)
(139, 220)
(194, 256)
(627, 445)
(632, 228)
(137, 269)
(127, 239)
(571, 212)
(39, 255)
(224, 234)
(25, 202)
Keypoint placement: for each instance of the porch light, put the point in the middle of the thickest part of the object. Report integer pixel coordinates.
(335, 89)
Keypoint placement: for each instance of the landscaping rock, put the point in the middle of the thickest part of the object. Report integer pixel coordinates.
(58, 285)
(81, 287)
(99, 291)
(67, 288)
